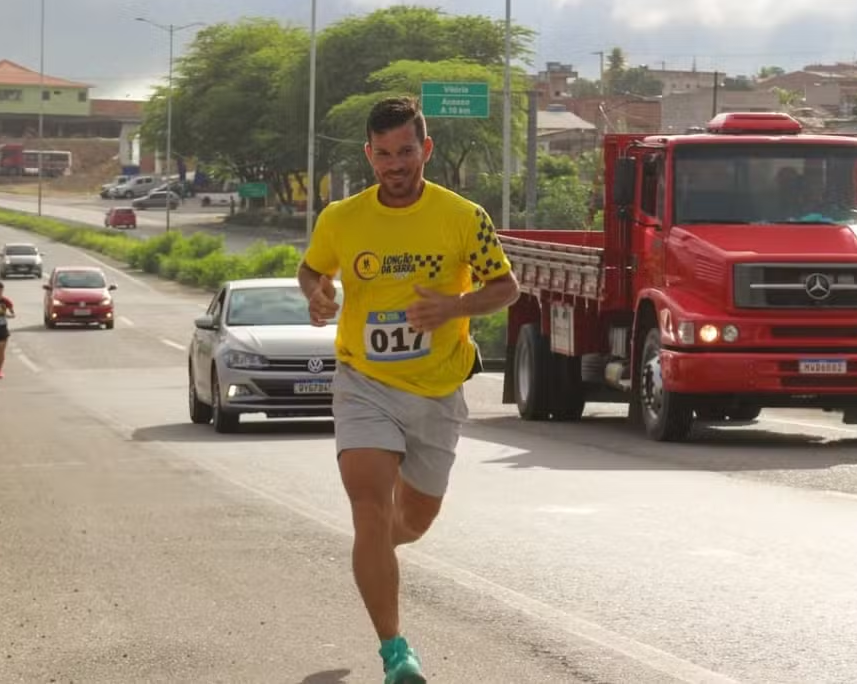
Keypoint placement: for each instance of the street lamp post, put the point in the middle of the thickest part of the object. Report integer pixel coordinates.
(310, 166)
(507, 122)
(41, 99)
(171, 30)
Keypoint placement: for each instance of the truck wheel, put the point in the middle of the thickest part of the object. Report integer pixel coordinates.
(531, 374)
(568, 395)
(666, 415)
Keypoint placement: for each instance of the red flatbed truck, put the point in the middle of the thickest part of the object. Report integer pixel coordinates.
(724, 282)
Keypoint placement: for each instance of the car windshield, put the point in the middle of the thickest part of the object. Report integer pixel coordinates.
(80, 279)
(281, 305)
(765, 183)
(20, 249)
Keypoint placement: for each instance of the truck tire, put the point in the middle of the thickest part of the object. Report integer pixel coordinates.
(667, 417)
(531, 374)
(568, 393)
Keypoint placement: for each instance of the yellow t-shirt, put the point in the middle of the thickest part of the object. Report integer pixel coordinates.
(438, 242)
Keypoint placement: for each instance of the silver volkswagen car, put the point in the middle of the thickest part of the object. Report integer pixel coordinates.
(255, 351)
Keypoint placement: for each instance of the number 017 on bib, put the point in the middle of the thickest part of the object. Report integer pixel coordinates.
(388, 337)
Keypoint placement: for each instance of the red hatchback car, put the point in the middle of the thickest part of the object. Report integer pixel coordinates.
(78, 294)
(120, 217)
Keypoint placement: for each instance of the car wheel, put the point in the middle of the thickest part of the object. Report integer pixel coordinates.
(200, 413)
(109, 325)
(224, 422)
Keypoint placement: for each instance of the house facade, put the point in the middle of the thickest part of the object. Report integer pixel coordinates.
(66, 107)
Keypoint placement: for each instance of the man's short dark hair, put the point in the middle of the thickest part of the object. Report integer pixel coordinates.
(393, 112)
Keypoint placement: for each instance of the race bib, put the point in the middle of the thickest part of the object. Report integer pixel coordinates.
(388, 337)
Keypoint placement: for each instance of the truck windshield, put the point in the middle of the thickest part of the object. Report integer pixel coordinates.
(765, 183)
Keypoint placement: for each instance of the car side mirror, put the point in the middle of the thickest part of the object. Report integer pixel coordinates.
(112, 287)
(47, 287)
(206, 323)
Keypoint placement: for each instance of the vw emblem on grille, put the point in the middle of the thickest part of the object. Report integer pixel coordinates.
(315, 365)
(818, 286)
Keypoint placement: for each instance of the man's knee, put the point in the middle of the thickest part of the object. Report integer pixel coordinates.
(415, 510)
(369, 476)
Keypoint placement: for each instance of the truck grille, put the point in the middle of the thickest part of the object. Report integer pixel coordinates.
(795, 286)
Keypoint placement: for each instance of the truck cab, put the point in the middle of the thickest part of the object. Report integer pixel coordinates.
(725, 281)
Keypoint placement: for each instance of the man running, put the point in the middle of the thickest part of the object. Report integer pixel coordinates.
(407, 250)
(7, 311)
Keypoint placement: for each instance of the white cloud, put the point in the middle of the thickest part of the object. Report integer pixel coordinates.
(723, 14)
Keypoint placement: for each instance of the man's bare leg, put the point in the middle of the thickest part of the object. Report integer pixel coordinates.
(369, 476)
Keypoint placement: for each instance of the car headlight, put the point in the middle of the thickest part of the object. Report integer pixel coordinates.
(241, 359)
(57, 302)
(105, 301)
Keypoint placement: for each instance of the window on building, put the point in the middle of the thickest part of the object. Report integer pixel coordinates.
(81, 96)
(10, 95)
(46, 94)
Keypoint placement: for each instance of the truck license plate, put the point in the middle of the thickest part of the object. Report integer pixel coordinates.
(823, 367)
(313, 387)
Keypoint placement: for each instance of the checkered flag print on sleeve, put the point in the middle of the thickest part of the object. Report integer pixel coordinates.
(486, 257)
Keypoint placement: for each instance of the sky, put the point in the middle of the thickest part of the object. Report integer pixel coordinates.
(99, 43)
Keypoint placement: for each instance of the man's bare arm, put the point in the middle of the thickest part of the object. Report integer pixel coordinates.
(494, 295)
(308, 279)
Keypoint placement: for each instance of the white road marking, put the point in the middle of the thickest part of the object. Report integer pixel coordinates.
(814, 426)
(26, 361)
(174, 345)
(127, 321)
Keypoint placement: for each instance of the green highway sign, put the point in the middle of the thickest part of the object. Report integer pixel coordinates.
(455, 100)
(249, 190)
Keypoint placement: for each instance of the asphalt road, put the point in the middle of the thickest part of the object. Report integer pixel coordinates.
(189, 218)
(136, 546)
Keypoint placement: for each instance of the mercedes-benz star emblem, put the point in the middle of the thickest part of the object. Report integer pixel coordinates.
(315, 365)
(818, 286)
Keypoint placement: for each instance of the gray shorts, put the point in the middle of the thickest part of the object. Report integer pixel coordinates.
(371, 415)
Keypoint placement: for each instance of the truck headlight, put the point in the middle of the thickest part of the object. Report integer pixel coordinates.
(709, 333)
(730, 333)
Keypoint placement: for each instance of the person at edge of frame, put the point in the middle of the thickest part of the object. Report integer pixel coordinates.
(407, 250)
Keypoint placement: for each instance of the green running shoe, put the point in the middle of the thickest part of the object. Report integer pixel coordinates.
(401, 663)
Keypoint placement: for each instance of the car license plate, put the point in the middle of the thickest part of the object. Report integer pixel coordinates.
(823, 367)
(82, 312)
(313, 387)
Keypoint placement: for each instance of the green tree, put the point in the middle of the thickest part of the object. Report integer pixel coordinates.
(348, 58)
(223, 95)
(456, 140)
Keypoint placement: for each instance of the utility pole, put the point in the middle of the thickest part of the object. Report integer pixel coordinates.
(532, 157)
(714, 94)
(600, 54)
(507, 122)
(41, 101)
(310, 166)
